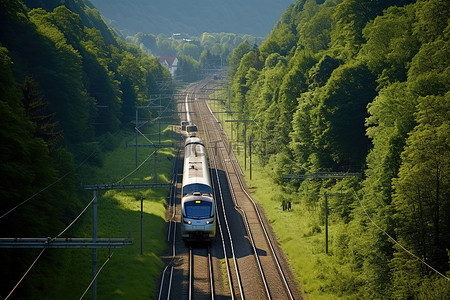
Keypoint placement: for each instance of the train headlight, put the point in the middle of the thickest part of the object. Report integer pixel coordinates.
(189, 222)
(209, 222)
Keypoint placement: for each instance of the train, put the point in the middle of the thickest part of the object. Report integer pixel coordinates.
(198, 216)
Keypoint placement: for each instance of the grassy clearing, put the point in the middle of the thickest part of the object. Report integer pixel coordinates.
(128, 274)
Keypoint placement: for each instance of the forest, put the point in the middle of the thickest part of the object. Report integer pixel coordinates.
(359, 86)
(68, 84)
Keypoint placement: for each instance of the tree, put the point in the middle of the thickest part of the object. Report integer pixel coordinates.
(422, 191)
(294, 83)
(59, 73)
(343, 111)
(37, 111)
(236, 56)
(188, 68)
(390, 44)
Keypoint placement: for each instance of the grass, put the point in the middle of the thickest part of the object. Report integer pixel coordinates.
(128, 274)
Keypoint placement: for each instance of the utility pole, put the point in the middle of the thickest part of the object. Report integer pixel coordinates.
(245, 137)
(250, 145)
(93, 243)
(324, 175)
(122, 187)
(157, 146)
(94, 239)
(142, 221)
(326, 224)
(136, 133)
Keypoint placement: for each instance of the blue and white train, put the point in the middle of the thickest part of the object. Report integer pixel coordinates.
(198, 218)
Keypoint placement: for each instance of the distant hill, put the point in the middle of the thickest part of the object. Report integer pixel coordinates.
(255, 17)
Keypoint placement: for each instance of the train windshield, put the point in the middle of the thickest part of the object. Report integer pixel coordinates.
(198, 209)
(196, 187)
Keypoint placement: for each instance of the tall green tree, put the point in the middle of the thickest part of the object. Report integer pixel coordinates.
(38, 112)
(236, 56)
(343, 109)
(422, 192)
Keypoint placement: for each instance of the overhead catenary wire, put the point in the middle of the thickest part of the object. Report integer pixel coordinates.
(373, 222)
(26, 273)
(76, 219)
(132, 172)
(96, 275)
(137, 168)
(82, 212)
(42, 251)
(397, 243)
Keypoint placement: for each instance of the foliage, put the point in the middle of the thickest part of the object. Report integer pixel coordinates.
(361, 86)
(66, 83)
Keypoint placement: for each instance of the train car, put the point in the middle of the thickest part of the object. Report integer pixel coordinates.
(192, 130)
(184, 124)
(198, 218)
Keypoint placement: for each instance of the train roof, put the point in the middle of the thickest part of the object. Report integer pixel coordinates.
(196, 170)
(193, 140)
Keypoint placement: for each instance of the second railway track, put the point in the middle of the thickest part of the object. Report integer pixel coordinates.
(243, 262)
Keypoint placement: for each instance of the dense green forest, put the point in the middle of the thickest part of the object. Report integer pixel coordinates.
(255, 17)
(68, 84)
(360, 86)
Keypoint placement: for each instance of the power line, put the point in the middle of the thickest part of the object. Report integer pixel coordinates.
(28, 199)
(82, 212)
(26, 273)
(397, 243)
(96, 275)
(40, 254)
(76, 219)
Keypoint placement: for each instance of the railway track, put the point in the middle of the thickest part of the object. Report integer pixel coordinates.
(201, 284)
(242, 262)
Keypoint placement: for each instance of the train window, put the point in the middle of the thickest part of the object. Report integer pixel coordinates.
(196, 187)
(198, 209)
(191, 128)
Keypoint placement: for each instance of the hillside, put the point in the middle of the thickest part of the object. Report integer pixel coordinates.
(254, 17)
(68, 86)
(343, 86)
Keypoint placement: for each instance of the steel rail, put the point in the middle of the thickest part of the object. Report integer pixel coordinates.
(191, 280)
(191, 252)
(219, 189)
(172, 202)
(269, 242)
(233, 161)
(243, 214)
